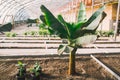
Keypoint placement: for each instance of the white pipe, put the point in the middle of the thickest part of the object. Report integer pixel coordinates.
(108, 69)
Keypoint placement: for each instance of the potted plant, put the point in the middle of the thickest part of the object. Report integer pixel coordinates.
(21, 71)
(35, 72)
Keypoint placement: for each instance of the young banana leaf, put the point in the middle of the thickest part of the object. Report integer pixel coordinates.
(68, 26)
(54, 23)
(95, 19)
(82, 13)
(85, 33)
(92, 24)
(42, 17)
(85, 40)
(64, 48)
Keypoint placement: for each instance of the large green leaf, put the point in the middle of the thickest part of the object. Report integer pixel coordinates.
(96, 16)
(82, 13)
(83, 32)
(85, 40)
(94, 24)
(60, 18)
(64, 48)
(53, 22)
(42, 17)
(79, 24)
(51, 31)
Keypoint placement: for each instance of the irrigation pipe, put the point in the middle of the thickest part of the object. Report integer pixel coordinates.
(108, 69)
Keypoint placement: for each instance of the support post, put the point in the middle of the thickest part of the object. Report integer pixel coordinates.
(117, 18)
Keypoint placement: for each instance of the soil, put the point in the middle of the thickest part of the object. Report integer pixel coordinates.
(56, 68)
(112, 61)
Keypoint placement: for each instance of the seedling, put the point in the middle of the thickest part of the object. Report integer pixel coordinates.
(22, 69)
(36, 70)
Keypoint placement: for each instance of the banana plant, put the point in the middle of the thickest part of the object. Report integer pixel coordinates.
(78, 34)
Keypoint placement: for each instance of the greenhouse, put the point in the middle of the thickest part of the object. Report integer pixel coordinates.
(59, 40)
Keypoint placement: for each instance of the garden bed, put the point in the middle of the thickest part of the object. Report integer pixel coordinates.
(56, 68)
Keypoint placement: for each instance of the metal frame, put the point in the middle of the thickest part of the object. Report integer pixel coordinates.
(13, 6)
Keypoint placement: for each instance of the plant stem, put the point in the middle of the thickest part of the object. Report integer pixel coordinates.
(71, 70)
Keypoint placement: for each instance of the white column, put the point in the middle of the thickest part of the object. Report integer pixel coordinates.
(92, 7)
(117, 18)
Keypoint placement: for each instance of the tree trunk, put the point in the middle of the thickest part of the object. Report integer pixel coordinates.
(71, 70)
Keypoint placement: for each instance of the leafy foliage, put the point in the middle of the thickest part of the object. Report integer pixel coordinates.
(22, 69)
(10, 34)
(42, 26)
(105, 33)
(82, 13)
(37, 69)
(32, 20)
(78, 34)
(6, 27)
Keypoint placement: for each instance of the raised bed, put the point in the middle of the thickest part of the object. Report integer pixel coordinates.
(29, 38)
(56, 68)
(48, 44)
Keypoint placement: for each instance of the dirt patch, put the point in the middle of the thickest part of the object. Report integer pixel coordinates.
(56, 69)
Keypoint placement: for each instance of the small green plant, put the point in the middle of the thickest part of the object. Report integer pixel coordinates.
(13, 34)
(25, 33)
(21, 69)
(33, 33)
(43, 32)
(40, 32)
(36, 70)
(111, 32)
(7, 34)
(105, 33)
(10, 34)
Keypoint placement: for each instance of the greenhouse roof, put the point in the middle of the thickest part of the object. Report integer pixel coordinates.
(24, 9)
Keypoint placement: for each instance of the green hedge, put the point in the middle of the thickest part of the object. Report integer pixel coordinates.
(6, 27)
